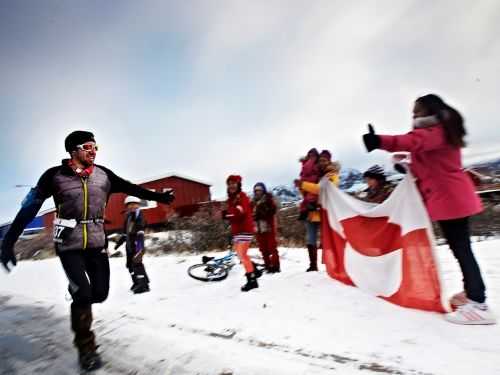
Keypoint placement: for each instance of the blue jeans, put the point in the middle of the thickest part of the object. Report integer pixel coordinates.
(312, 229)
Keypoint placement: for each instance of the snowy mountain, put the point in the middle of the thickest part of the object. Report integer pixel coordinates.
(350, 177)
(351, 180)
(491, 167)
(286, 194)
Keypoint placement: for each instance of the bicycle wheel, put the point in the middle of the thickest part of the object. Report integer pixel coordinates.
(207, 272)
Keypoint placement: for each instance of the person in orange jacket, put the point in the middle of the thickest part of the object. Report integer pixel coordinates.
(239, 214)
(331, 171)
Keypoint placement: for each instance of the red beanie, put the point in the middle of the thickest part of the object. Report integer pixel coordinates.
(234, 178)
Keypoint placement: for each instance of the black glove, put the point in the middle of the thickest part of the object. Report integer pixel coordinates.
(167, 197)
(371, 140)
(7, 255)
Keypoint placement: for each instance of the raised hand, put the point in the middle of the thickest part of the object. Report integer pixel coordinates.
(168, 196)
(7, 255)
(370, 139)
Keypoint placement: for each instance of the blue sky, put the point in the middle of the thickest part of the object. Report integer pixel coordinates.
(209, 88)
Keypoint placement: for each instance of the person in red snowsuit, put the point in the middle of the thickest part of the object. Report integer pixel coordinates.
(264, 214)
(239, 214)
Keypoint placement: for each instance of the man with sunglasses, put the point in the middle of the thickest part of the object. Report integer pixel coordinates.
(80, 190)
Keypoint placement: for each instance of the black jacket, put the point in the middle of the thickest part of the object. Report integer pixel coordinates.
(77, 199)
(133, 230)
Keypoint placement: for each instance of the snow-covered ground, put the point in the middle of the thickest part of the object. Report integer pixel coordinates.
(295, 323)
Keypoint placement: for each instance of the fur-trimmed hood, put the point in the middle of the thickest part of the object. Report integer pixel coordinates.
(334, 167)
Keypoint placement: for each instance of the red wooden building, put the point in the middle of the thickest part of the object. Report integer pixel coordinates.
(188, 192)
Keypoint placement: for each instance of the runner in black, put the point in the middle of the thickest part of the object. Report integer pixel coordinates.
(80, 190)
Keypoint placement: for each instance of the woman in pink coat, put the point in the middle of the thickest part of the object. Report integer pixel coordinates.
(435, 145)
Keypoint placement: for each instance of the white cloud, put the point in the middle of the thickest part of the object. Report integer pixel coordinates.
(256, 83)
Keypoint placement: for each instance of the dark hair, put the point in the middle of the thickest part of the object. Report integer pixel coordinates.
(451, 119)
(313, 151)
(376, 172)
(76, 138)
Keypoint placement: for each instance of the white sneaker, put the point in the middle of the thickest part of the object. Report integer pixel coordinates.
(472, 313)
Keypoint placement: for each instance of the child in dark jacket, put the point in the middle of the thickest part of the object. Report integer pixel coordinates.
(133, 235)
(310, 173)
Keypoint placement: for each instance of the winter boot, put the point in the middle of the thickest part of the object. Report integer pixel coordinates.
(141, 288)
(272, 270)
(134, 281)
(267, 260)
(258, 272)
(81, 322)
(251, 282)
(313, 258)
(90, 361)
(142, 285)
(275, 262)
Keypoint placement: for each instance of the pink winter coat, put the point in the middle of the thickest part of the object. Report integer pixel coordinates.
(447, 191)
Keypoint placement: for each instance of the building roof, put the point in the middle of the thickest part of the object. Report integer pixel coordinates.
(172, 174)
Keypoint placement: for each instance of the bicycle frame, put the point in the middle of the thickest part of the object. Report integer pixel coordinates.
(223, 260)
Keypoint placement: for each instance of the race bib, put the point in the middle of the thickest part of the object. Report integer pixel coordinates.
(62, 228)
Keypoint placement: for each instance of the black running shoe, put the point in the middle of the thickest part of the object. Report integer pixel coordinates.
(90, 361)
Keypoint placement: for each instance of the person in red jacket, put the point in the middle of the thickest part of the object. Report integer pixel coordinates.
(239, 214)
(448, 193)
(264, 214)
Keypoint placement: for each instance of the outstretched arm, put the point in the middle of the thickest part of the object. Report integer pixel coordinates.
(29, 208)
(418, 140)
(120, 185)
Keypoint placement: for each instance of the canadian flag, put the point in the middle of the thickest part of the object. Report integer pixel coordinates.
(385, 249)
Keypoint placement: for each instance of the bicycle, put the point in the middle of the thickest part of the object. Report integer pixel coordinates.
(212, 269)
